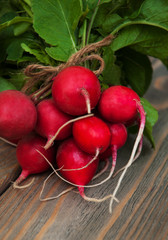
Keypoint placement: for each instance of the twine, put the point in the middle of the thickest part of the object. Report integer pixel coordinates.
(37, 72)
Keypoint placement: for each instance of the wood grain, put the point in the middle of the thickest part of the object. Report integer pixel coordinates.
(141, 214)
(9, 168)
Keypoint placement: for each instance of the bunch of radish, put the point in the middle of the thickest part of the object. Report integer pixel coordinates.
(74, 130)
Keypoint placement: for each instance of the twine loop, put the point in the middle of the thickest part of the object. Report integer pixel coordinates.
(37, 72)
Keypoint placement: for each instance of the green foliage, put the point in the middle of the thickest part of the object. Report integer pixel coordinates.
(151, 119)
(50, 32)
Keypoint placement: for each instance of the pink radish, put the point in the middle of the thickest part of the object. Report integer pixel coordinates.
(29, 159)
(50, 119)
(17, 114)
(91, 134)
(71, 161)
(76, 90)
(120, 104)
(118, 139)
(71, 157)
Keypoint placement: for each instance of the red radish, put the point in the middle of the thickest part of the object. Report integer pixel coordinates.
(71, 158)
(50, 119)
(91, 134)
(71, 161)
(118, 139)
(117, 104)
(17, 114)
(29, 159)
(120, 104)
(76, 90)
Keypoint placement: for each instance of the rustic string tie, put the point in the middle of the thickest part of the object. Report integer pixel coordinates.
(37, 72)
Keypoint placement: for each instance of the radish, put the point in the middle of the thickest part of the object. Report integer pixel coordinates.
(50, 119)
(71, 161)
(17, 114)
(70, 156)
(76, 90)
(120, 104)
(29, 159)
(91, 134)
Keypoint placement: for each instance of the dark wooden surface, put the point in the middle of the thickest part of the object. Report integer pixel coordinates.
(142, 212)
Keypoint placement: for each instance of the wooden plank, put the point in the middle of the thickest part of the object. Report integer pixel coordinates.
(9, 168)
(142, 212)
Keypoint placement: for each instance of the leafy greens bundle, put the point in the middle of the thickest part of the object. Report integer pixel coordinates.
(50, 31)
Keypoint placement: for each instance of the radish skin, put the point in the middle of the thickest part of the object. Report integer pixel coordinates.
(18, 114)
(50, 119)
(91, 134)
(29, 159)
(74, 88)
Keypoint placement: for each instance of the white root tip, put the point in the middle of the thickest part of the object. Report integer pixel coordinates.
(15, 185)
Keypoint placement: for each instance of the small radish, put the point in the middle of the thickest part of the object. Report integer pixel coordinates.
(120, 104)
(118, 139)
(50, 119)
(91, 134)
(71, 161)
(71, 158)
(29, 159)
(76, 90)
(17, 114)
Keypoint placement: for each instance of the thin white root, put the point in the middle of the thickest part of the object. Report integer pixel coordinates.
(75, 185)
(54, 197)
(98, 200)
(138, 139)
(85, 93)
(135, 158)
(9, 142)
(15, 184)
(103, 170)
(50, 142)
(81, 191)
(92, 160)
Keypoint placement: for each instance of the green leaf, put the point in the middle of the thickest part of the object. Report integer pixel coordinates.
(38, 51)
(56, 21)
(5, 85)
(111, 72)
(15, 20)
(151, 119)
(145, 39)
(21, 28)
(155, 12)
(138, 70)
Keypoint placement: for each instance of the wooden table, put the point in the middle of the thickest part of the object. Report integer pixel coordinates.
(142, 212)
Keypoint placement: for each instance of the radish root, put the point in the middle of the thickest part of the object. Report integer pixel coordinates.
(9, 142)
(92, 160)
(54, 197)
(85, 93)
(130, 161)
(52, 139)
(103, 170)
(81, 191)
(15, 184)
(135, 158)
(76, 185)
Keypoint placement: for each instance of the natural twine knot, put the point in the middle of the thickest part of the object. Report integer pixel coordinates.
(37, 72)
